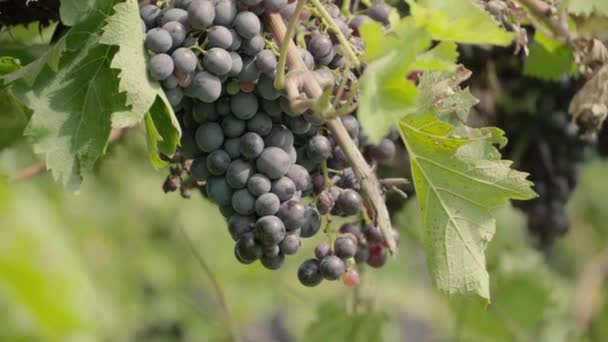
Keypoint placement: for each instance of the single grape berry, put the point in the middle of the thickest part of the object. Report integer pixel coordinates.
(261, 124)
(232, 147)
(233, 127)
(273, 262)
(269, 230)
(177, 31)
(219, 191)
(251, 145)
(345, 247)
(279, 136)
(267, 204)
(248, 249)
(309, 273)
(293, 214)
(254, 45)
(272, 251)
(318, 148)
(351, 228)
(351, 278)
(149, 14)
(220, 37)
(209, 137)
(198, 169)
(284, 188)
(332, 267)
(349, 203)
(174, 14)
(184, 60)
(273, 162)
(300, 177)
(243, 202)
(312, 223)
(259, 184)
(203, 112)
(238, 173)
(239, 225)
(380, 11)
(201, 14)
(290, 244)
(237, 64)
(362, 253)
(266, 61)
(244, 105)
(247, 24)
(320, 45)
(265, 88)
(325, 202)
(158, 40)
(225, 11)
(377, 256)
(217, 61)
(160, 66)
(372, 234)
(205, 87)
(218, 162)
(322, 250)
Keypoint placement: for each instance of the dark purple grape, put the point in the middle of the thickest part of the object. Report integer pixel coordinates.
(174, 14)
(220, 37)
(184, 60)
(201, 14)
(280, 136)
(205, 87)
(273, 262)
(238, 173)
(300, 177)
(251, 145)
(244, 105)
(239, 225)
(320, 45)
(266, 62)
(259, 184)
(267, 204)
(243, 202)
(269, 230)
(284, 188)
(349, 203)
(362, 253)
(248, 249)
(318, 148)
(149, 14)
(260, 124)
(233, 127)
(312, 223)
(372, 234)
(232, 146)
(332, 267)
(345, 247)
(322, 250)
(209, 137)
(225, 11)
(247, 24)
(293, 214)
(177, 31)
(217, 61)
(309, 273)
(380, 11)
(237, 64)
(219, 191)
(198, 169)
(290, 244)
(218, 162)
(160, 66)
(273, 162)
(158, 40)
(274, 5)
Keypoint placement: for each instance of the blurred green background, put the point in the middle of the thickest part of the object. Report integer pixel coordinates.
(112, 263)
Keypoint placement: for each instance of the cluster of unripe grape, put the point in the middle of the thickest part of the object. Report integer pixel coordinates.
(273, 168)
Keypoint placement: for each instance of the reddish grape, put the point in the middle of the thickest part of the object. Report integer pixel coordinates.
(351, 278)
(377, 256)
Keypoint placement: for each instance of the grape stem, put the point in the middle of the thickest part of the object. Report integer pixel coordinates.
(369, 183)
(329, 21)
(40, 168)
(279, 81)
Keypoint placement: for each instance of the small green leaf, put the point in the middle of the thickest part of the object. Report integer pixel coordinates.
(73, 11)
(73, 107)
(386, 93)
(439, 93)
(13, 118)
(153, 138)
(587, 7)
(441, 57)
(165, 122)
(30, 72)
(375, 41)
(8, 65)
(548, 58)
(335, 324)
(459, 181)
(459, 21)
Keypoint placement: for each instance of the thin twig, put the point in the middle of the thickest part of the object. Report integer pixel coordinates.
(557, 25)
(369, 183)
(279, 81)
(40, 168)
(216, 285)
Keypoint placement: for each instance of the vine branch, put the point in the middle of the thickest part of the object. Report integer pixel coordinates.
(369, 183)
(40, 168)
(557, 24)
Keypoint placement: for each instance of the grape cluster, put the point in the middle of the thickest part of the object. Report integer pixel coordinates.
(546, 143)
(271, 167)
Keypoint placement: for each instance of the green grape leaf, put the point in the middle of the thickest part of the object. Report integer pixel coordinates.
(386, 93)
(160, 135)
(335, 324)
(459, 180)
(73, 106)
(459, 21)
(587, 7)
(548, 58)
(72, 11)
(123, 30)
(441, 57)
(9, 64)
(440, 92)
(13, 118)
(375, 41)
(30, 72)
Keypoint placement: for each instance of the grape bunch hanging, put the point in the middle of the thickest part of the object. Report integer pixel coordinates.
(271, 165)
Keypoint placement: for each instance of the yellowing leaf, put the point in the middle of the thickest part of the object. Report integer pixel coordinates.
(459, 181)
(459, 21)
